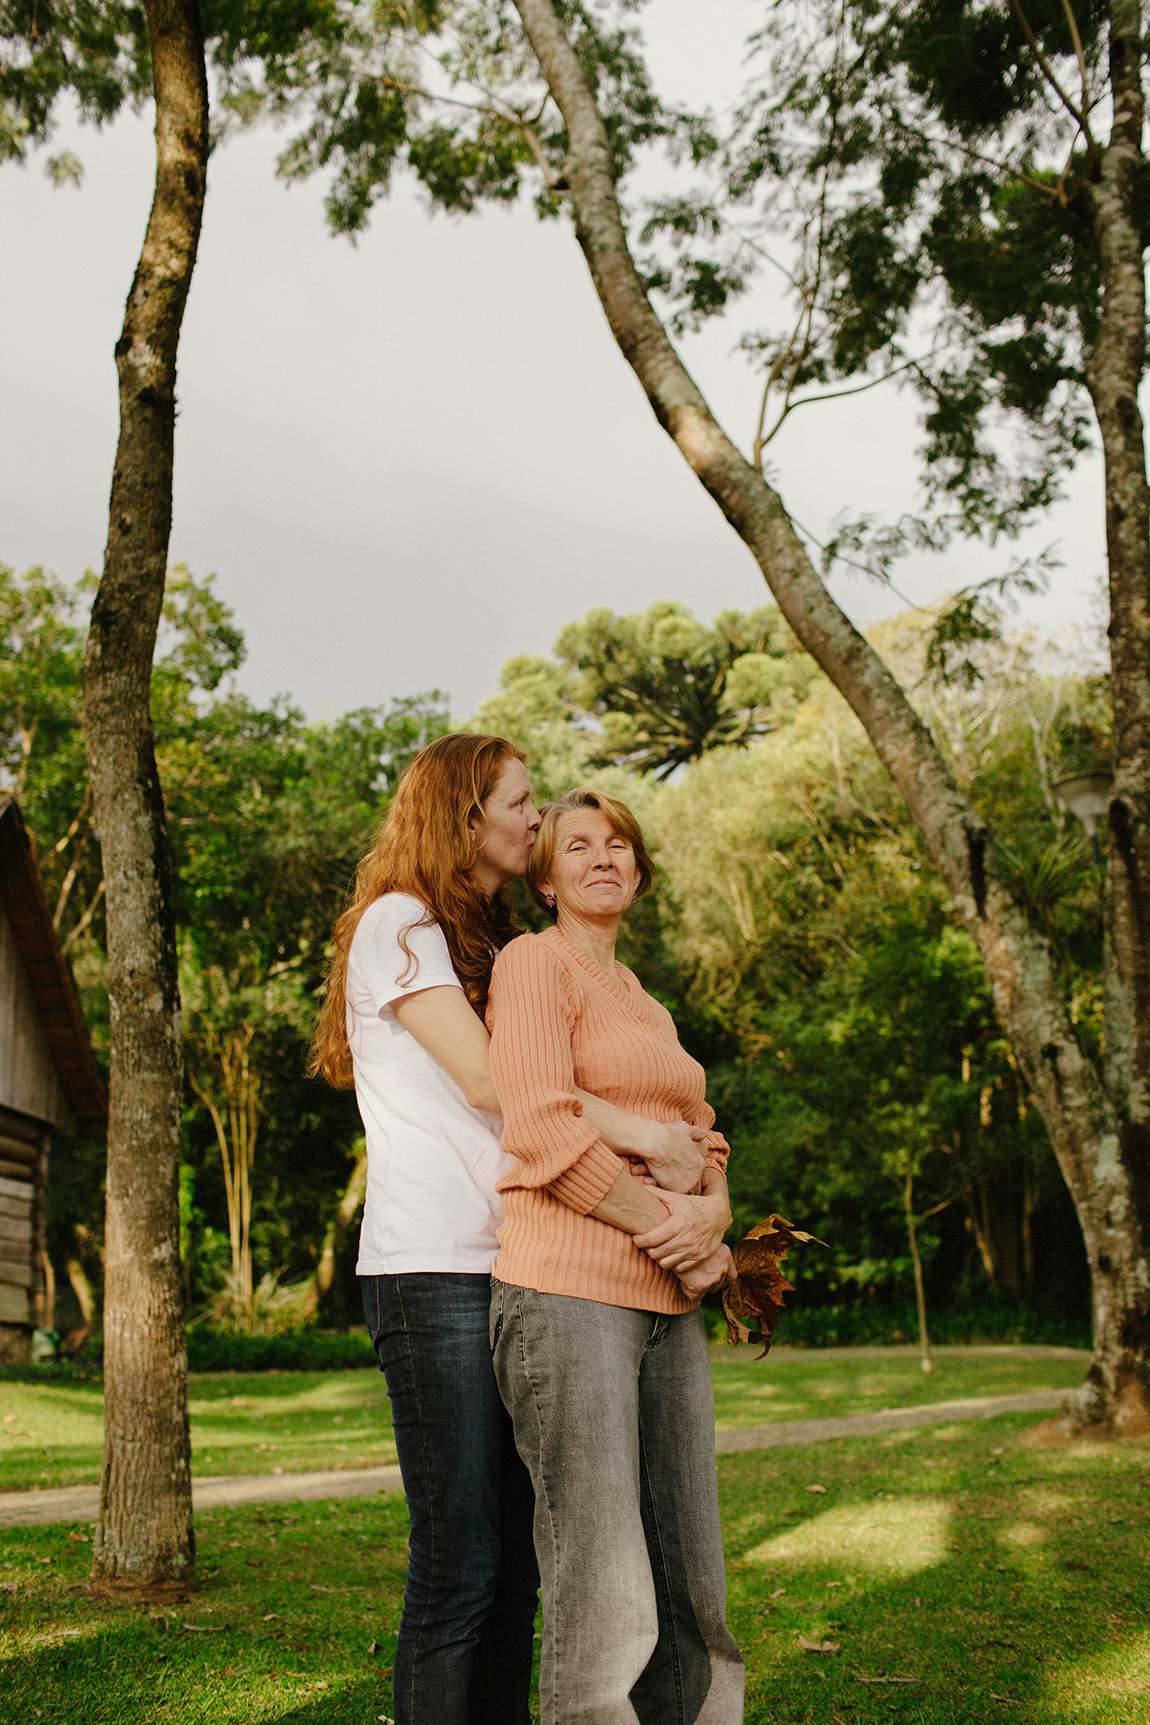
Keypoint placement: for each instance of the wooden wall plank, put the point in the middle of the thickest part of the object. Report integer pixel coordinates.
(28, 1080)
(12, 1150)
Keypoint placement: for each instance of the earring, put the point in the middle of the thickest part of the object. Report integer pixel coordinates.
(549, 900)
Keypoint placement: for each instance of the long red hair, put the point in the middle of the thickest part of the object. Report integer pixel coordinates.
(425, 848)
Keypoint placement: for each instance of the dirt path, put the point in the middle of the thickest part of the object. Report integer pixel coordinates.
(80, 1502)
(787, 1432)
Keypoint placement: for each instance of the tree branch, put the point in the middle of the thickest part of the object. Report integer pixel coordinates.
(508, 115)
(1048, 73)
(75, 933)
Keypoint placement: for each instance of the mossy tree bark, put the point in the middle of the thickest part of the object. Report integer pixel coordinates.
(144, 1538)
(1096, 1120)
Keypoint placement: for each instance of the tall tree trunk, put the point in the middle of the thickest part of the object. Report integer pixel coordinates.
(144, 1534)
(1117, 1234)
(1102, 1166)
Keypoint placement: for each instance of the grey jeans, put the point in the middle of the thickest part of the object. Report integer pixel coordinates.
(614, 1417)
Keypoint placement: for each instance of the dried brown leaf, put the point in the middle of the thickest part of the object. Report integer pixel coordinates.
(753, 1300)
(818, 1646)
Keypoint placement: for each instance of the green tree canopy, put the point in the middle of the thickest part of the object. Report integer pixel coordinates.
(650, 691)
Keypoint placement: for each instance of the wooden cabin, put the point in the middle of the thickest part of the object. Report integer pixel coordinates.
(49, 1082)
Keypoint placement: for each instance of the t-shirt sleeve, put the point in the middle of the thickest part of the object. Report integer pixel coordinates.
(532, 1018)
(386, 971)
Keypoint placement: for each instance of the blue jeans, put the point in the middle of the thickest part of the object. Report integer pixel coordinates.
(466, 1637)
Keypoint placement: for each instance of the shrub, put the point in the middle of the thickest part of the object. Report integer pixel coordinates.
(881, 1326)
(295, 1351)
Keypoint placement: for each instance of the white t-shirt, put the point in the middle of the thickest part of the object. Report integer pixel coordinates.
(432, 1159)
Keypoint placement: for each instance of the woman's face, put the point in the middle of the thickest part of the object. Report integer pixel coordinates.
(510, 822)
(593, 869)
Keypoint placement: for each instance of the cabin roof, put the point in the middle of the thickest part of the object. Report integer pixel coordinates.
(49, 981)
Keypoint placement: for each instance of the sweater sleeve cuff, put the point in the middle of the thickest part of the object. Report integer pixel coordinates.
(588, 1180)
(717, 1151)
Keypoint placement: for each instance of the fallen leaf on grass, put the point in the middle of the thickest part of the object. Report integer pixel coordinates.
(269, 1617)
(816, 1488)
(204, 1628)
(277, 1469)
(818, 1646)
(316, 1588)
(753, 1300)
(1009, 1699)
(376, 1647)
(778, 1593)
(863, 1679)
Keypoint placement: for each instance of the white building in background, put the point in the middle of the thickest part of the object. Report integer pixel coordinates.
(49, 1083)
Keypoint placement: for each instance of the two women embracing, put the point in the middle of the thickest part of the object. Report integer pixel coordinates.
(546, 1204)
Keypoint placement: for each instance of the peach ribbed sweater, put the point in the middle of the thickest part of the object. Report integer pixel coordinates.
(558, 1022)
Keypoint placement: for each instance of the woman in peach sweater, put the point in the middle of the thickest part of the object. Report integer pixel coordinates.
(599, 1346)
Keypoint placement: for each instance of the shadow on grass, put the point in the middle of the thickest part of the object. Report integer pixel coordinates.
(121, 1679)
(952, 1582)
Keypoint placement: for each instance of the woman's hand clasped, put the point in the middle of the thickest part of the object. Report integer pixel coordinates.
(675, 1155)
(692, 1234)
(715, 1273)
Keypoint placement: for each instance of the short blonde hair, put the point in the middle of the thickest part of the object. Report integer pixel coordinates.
(621, 818)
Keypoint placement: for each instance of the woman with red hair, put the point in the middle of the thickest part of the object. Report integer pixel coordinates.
(402, 1022)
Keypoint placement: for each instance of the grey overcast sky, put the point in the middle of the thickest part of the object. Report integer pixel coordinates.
(409, 459)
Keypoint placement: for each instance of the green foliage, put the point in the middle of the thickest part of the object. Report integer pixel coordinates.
(666, 689)
(96, 50)
(807, 950)
(468, 113)
(265, 54)
(268, 816)
(649, 692)
(299, 1351)
(867, 1324)
(534, 709)
(797, 932)
(908, 160)
(41, 662)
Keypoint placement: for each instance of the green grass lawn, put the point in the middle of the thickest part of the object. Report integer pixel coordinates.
(960, 1574)
(50, 1433)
